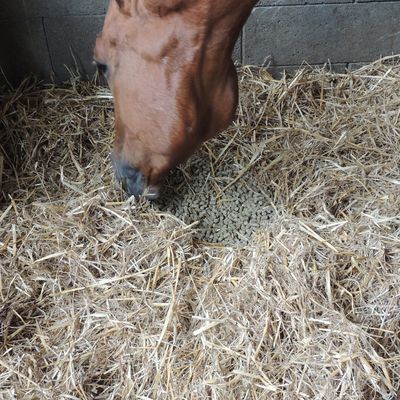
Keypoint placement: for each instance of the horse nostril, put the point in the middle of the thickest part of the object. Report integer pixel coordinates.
(102, 68)
(132, 180)
(125, 184)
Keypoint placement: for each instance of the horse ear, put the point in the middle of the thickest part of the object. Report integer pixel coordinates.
(124, 6)
(164, 7)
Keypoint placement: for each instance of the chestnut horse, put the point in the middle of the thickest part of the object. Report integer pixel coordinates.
(169, 66)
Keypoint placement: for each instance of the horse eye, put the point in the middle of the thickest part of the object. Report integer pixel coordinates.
(102, 68)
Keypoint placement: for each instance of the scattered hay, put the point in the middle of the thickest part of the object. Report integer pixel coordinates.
(105, 298)
(1, 169)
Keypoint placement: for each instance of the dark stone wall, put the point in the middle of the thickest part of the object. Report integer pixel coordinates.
(44, 37)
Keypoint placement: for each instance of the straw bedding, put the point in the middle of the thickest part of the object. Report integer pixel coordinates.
(102, 297)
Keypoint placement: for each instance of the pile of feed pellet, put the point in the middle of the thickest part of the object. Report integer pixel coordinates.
(195, 194)
(269, 269)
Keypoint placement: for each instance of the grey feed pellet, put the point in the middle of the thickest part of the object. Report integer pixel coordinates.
(230, 217)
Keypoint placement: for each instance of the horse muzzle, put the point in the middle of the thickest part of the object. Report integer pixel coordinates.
(133, 181)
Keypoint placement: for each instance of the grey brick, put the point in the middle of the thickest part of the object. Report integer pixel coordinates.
(71, 42)
(270, 3)
(46, 8)
(355, 66)
(277, 70)
(23, 49)
(340, 33)
(22, 8)
(77, 7)
(264, 3)
(237, 51)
